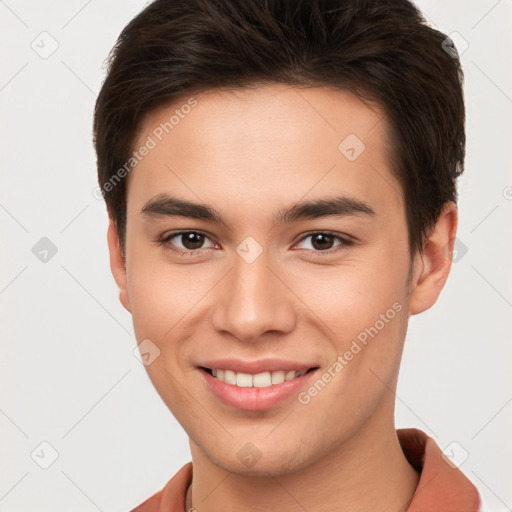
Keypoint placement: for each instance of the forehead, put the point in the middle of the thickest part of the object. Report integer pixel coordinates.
(251, 147)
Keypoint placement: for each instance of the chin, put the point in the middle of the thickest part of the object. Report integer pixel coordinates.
(269, 461)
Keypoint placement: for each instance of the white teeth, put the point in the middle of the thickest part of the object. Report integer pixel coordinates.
(289, 375)
(259, 380)
(229, 377)
(244, 380)
(262, 380)
(277, 377)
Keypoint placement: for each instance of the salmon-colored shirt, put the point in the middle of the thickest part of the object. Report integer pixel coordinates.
(441, 488)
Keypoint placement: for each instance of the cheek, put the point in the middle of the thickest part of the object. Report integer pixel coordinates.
(161, 295)
(350, 297)
(367, 350)
(362, 310)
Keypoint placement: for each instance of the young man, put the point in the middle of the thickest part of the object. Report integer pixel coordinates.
(280, 180)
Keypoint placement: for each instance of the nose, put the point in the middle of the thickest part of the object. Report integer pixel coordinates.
(253, 300)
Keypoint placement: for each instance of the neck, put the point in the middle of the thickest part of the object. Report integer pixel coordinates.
(367, 472)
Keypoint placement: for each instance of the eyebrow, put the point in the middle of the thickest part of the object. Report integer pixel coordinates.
(164, 205)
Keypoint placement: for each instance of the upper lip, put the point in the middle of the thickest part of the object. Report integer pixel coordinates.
(256, 366)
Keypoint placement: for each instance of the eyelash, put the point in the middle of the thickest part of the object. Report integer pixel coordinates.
(165, 242)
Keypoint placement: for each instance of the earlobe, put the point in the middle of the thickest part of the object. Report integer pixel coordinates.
(432, 265)
(117, 264)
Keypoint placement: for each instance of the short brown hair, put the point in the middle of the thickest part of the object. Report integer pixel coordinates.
(381, 50)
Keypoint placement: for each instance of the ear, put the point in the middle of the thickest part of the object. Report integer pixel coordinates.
(117, 263)
(432, 264)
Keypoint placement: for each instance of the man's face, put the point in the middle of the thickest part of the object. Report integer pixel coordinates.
(307, 291)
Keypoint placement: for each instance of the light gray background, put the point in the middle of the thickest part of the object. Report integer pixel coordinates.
(67, 369)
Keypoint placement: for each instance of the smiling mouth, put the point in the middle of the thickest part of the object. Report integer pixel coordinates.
(258, 380)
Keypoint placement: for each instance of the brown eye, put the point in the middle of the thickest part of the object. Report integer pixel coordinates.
(186, 241)
(192, 240)
(323, 242)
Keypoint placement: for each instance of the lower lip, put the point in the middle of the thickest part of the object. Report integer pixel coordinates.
(255, 399)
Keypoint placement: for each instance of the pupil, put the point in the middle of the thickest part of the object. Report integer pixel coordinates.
(318, 238)
(190, 241)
